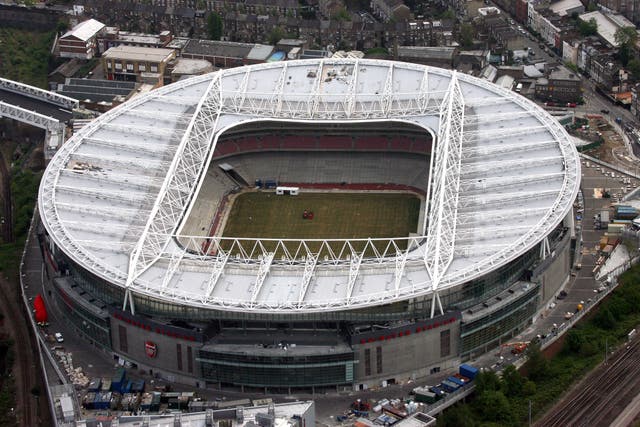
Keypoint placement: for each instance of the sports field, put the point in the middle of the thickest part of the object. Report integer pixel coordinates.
(335, 215)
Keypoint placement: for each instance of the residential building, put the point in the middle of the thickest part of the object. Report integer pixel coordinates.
(81, 41)
(560, 85)
(391, 10)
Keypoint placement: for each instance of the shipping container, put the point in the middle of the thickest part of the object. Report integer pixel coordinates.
(119, 380)
(455, 380)
(462, 378)
(95, 385)
(437, 391)
(448, 386)
(468, 371)
(425, 396)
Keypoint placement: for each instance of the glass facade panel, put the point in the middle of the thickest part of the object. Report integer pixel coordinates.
(281, 371)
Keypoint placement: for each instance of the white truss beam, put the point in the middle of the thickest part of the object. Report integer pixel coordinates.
(424, 96)
(241, 94)
(350, 104)
(31, 117)
(387, 92)
(180, 181)
(278, 92)
(354, 269)
(174, 262)
(263, 270)
(40, 94)
(445, 185)
(401, 262)
(310, 262)
(219, 262)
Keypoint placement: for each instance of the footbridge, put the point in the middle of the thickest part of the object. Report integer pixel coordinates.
(37, 107)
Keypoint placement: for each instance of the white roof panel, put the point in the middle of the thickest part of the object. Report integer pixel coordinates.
(119, 189)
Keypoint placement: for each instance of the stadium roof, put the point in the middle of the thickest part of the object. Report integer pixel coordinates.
(504, 174)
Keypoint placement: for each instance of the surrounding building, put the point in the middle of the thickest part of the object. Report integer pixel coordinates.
(389, 10)
(81, 41)
(130, 63)
(227, 54)
(559, 85)
(112, 37)
(443, 57)
(608, 24)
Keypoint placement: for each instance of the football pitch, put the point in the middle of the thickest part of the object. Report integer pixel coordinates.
(335, 215)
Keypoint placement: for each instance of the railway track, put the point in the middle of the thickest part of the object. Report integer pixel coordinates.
(24, 365)
(604, 393)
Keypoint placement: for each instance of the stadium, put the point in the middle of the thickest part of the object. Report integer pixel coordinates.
(310, 225)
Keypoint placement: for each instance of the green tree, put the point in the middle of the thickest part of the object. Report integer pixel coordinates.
(487, 381)
(341, 15)
(634, 68)
(537, 365)
(456, 416)
(604, 319)
(493, 406)
(275, 35)
(626, 38)
(214, 26)
(512, 381)
(466, 35)
(588, 28)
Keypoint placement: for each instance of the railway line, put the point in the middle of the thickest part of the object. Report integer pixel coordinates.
(602, 395)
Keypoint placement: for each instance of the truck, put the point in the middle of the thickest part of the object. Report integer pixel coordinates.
(625, 212)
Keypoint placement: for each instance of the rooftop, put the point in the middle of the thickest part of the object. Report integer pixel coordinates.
(85, 30)
(608, 24)
(138, 53)
(218, 48)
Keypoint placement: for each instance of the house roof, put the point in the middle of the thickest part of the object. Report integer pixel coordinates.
(84, 30)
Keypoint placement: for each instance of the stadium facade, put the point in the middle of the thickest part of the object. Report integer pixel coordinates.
(132, 207)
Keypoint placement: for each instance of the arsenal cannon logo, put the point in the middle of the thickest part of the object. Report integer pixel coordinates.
(150, 348)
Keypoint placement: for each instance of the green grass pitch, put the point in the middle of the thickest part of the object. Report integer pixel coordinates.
(336, 216)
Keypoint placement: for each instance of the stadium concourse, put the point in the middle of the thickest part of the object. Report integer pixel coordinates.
(135, 207)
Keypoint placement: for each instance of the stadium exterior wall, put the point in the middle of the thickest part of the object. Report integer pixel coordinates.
(181, 354)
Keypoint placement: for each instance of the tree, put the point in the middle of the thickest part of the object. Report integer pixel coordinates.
(466, 35)
(537, 365)
(487, 381)
(275, 35)
(214, 26)
(588, 28)
(634, 68)
(512, 381)
(493, 406)
(341, 15)
(456, 416)
(626, 38)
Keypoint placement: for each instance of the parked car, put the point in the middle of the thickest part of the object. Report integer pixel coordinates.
(58, 336)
